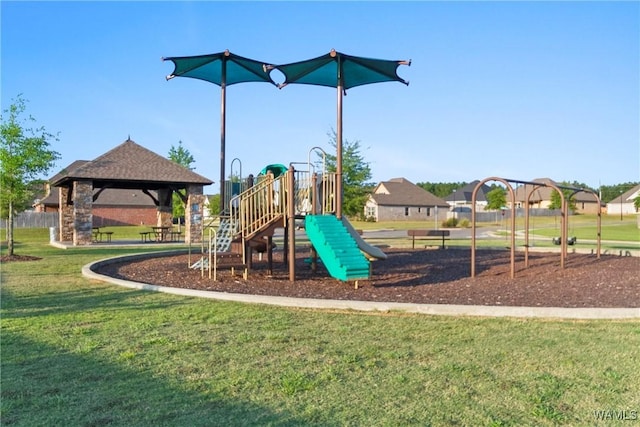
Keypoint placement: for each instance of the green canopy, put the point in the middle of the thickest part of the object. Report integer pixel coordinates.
(223, 69)
(343, 72)
(219, 68)
(335, 68)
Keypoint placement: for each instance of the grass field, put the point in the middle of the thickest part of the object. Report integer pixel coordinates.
(80, 352)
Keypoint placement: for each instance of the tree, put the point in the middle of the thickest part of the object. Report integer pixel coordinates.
(441, 189)
(610, 192)
(496, 199)
(183, 157)
(214, 204)
(569, 197)
(636, 203)
(24, 155)
(355, 175)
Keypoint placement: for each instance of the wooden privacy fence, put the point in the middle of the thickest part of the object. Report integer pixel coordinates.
(33, 220)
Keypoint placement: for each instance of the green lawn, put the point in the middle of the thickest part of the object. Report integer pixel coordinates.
(81, 352)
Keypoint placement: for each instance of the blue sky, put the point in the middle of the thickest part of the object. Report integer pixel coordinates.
(511, 89)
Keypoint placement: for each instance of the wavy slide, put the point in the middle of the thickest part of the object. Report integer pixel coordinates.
(372, 252)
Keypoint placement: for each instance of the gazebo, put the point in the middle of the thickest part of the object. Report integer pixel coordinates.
(128, 166)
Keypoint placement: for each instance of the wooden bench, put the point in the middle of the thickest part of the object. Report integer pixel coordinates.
(145, 236)
(175, 236)
(428, 235)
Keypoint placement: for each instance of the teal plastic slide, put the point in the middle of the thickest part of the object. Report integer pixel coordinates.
(337, 248)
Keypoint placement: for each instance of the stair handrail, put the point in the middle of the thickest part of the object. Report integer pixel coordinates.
(260, 205)
(327, 188)
(210, 223)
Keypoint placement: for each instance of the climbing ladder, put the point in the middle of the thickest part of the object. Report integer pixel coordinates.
(224, 235)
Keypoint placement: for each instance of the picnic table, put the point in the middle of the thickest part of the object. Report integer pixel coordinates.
(98, 235)
(160, 234)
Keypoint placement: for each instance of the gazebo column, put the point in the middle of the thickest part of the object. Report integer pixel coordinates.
(194, 213)
(165, 208)
(82, 212)
(65, 214)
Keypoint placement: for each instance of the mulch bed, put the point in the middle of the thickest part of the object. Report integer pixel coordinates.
(18, 258)
(426, 276)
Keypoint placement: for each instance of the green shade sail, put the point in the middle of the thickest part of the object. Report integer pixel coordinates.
(343, 72)
(223, 69)
(337, 69)
(219, 68)
(334, 69)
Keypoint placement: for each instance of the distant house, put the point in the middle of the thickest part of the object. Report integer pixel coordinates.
(207, 209)
(624, 203)
(401, 200)
(585, 202)
(461, 199)
(112, 206)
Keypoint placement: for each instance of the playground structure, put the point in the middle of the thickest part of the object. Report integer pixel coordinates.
(564, 203)
(277, 197)
(256, 211)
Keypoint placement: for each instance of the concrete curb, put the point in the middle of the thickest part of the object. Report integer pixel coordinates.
(88, 271)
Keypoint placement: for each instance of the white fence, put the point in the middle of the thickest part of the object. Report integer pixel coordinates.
(33, 220)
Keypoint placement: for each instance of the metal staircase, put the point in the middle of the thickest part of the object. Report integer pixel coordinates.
(224, 235)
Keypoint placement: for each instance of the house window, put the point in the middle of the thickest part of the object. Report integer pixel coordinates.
(406, 211)
(428, 211)
(419, 209)
(370, 211)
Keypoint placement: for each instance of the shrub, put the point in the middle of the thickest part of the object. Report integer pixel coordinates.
(450, 222)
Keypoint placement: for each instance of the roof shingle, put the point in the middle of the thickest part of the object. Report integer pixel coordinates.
(130, 162)
(401, 192)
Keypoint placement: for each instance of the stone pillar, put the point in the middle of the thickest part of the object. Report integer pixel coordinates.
(82, 212)
(193, 214)
(165, 208)
(65, 212)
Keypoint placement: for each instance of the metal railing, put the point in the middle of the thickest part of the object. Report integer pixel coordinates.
(260, 206)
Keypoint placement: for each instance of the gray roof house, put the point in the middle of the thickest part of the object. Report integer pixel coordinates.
(624, 203)
(585, 202)
(462, 197)
(401, 200)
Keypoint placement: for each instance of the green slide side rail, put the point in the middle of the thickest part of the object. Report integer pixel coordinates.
(336, 247)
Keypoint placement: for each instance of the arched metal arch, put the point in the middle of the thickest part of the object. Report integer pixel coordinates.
(506, 182)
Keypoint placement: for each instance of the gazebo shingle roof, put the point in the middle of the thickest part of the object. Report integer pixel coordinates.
(130, 166)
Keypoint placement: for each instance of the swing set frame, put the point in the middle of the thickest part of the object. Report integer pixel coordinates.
(563, 226)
